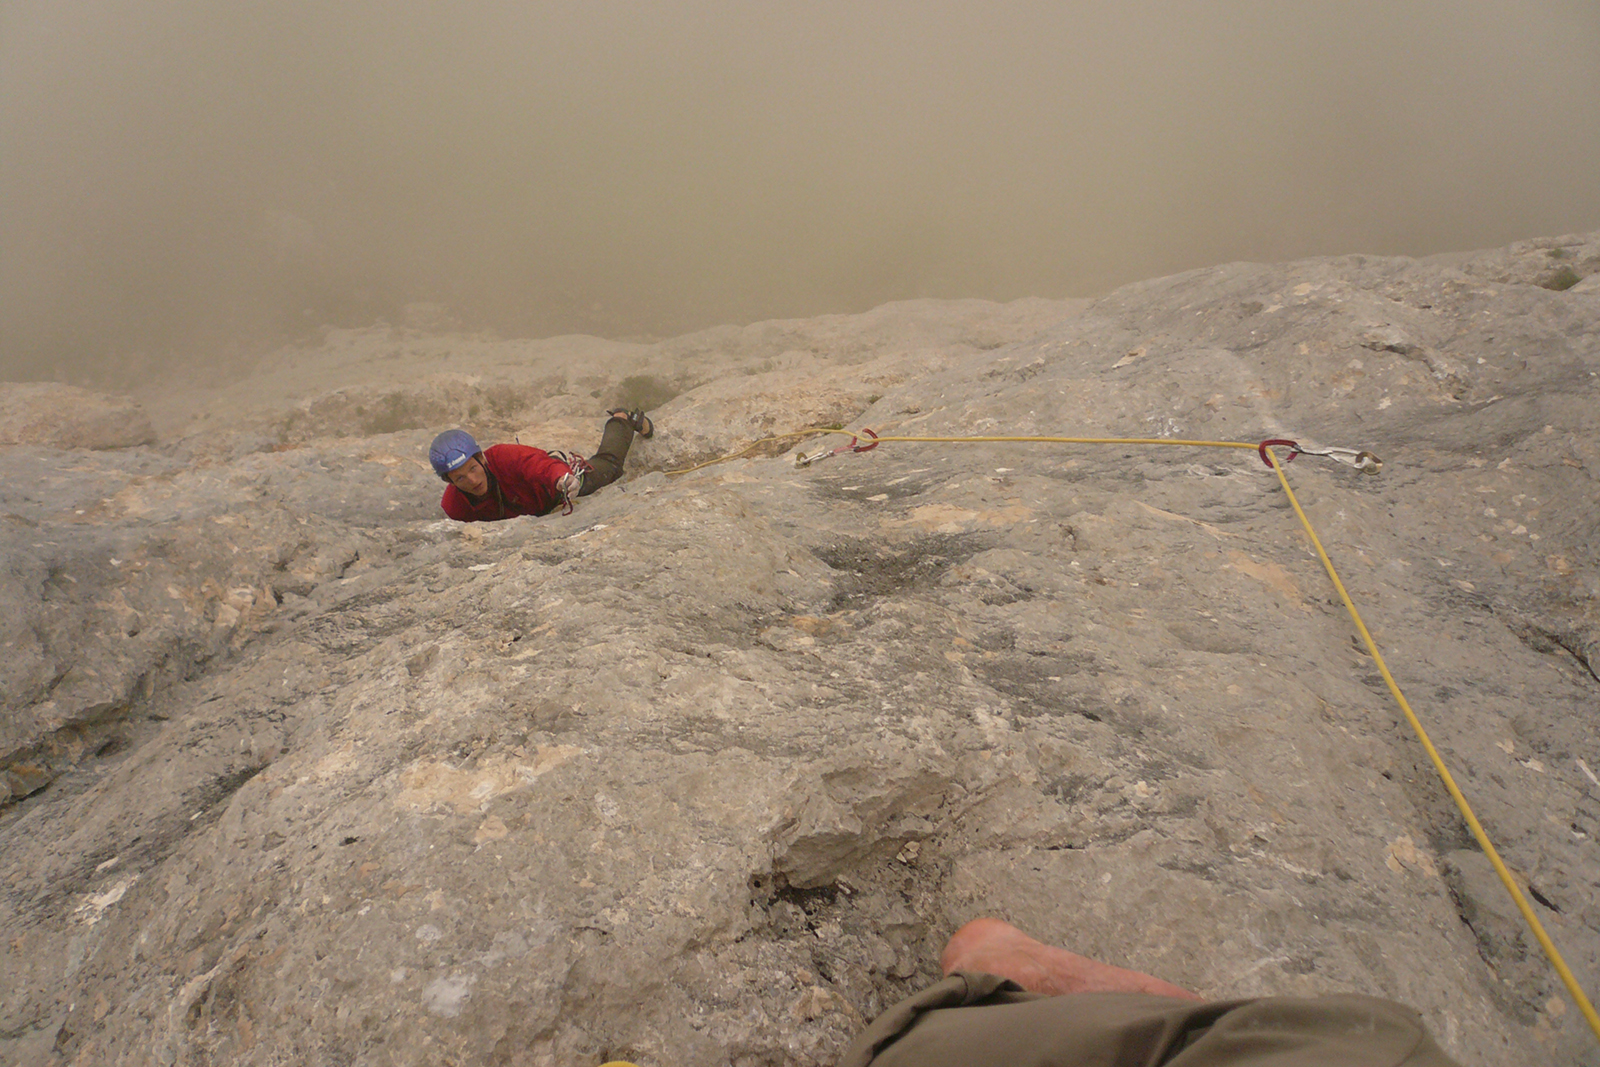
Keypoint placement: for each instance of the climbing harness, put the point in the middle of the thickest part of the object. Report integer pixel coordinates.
(1367, 463)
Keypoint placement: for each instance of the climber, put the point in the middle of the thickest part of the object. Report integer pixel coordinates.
(504, 481)
(1009, 999)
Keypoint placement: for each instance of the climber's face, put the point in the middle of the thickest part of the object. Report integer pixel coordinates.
(471, 477)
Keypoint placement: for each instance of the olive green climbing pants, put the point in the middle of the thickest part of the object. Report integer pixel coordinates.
(979, 1020)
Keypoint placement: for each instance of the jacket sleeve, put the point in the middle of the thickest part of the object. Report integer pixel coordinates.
(529, 474)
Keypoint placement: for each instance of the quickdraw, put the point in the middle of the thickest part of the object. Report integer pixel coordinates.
(803, 460)
(568, 487)
(1365, 462)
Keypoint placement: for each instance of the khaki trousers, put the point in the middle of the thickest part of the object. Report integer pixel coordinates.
(980, 1020)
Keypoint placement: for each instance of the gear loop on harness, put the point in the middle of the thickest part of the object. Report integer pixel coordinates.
(1293, 446)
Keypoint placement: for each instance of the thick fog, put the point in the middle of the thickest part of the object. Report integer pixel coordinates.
(184, 181)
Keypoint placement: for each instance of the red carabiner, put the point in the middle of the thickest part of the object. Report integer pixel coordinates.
(864, 448)
(1293, 446)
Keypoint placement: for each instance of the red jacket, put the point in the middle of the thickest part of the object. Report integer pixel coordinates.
(522, 481)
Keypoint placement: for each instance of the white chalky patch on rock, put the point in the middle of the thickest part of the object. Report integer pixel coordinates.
(445, 996)
(93, 905)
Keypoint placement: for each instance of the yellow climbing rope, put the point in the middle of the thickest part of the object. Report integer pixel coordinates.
(809, 431)
(1086, 441)
(804, 460)
(1500, 868)
(1363, 461)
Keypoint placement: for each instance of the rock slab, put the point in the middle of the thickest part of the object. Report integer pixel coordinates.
(706, 771)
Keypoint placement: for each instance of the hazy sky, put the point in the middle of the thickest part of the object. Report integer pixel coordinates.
(197, 176)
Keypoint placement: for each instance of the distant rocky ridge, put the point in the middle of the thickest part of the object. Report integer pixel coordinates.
(57, 416)
(704, 772)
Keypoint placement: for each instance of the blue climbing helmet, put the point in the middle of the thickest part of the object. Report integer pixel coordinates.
(450, 450)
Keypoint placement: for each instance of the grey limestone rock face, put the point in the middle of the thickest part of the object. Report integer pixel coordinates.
(58, 416)
(706, 771)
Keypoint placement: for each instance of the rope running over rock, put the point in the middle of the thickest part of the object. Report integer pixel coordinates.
(1363, 461)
